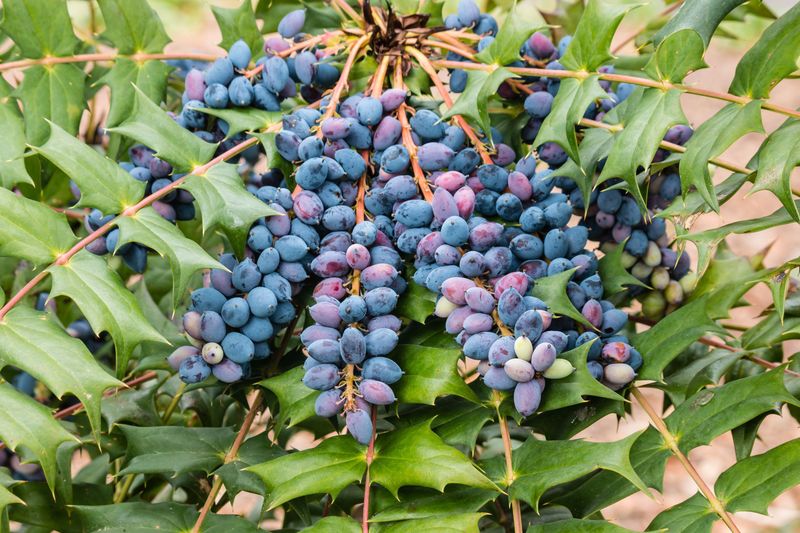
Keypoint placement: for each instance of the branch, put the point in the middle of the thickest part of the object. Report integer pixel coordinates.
(367, 484)
(634, 80)
(129, 212)
(408, 141)
(112, 56)
(672, 444)
(515, 506)
(426, 65)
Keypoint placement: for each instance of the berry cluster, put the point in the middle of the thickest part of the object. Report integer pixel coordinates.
(157, 174)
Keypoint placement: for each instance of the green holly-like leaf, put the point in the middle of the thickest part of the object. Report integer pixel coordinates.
(12, 149)
(573, 97)
(592, 39)
(248, 119)
(185, 256)
(702, 16)
(103, 183)
(151, 126)
(430, 372)
(418, 504)
(134, 406)
(698, 373)
(753, 483)
(52, 93)
(461, 423)
(574, 524)
(7, 498)
(594, 147)
(511, 36)
(777, 157)
(712, 138)
(771, 59)
(416, 303)
(453, 523)
(149, 76)
(696, 422)
(175, 450)
(663, 342)
(31, 342)
(146, 517)
(615, 277)
(133, 26)
(239, 23)
(567, 422)
(236, 478)
(295, 399)
(575, 388)
(677, 55)
(39, 27)
(31, 230)
(27, 423)
(334, 524)
(648, 114)
(473, 102)
(329, 468)
(219, 189)
(694, 203)
(749, 485)
(106, 303)
(417, 456)
(552, 290)
(690, 516)
(540, 464)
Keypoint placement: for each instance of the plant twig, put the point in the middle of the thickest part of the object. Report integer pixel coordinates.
(634, 80)
(110, 56)
(426, 65)
(367, 484)
(130, 211)
(672, 444)
(516, 510)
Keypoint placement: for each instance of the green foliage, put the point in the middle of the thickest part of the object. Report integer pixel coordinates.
(239, 23)
(53, 93)
(590, 45)
(39, 27)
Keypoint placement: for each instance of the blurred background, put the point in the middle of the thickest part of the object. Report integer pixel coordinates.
(192, 28)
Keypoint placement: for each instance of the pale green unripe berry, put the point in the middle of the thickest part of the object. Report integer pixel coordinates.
(627, 260)
(653, 305)
(619, 373)
(444, 307)
(674, 292)
(212, 353)
(641, 271)
(560, 369)
(652, 256)
(523, 348)
(688, 282)
(659, 279)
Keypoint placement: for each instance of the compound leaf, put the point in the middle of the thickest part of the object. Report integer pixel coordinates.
(106, 303)
(30, 230)
(693, 515)
(12, 149)
(614, 275)
(103, 183)
(452, 523)
(416, 303)
(248, 119)
(677, 55)
(30, 341)
(424, 505)
(702, 16)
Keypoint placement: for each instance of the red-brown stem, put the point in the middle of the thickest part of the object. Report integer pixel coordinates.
(408, 141)
(342, 83)
(70, 213)
(130, 211)
(516, 510)
(663, 85)
(370, 456)
(86, 58)
(669, 9)
(426, 65)
(457, 34)
(451, 45)
(672, 444)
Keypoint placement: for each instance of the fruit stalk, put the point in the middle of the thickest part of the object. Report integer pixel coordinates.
(516, 510)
